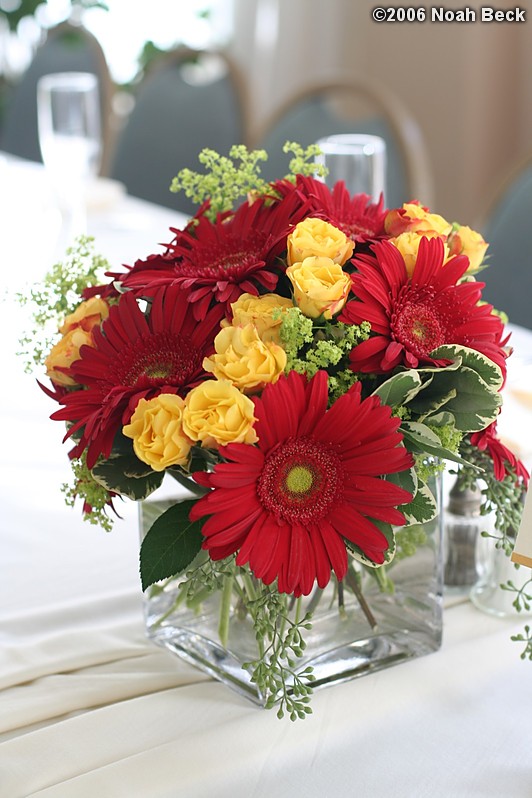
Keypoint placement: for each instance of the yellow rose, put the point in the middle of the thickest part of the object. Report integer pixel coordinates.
(408, 246)
(244, 359)
(156, 427)
(216, 413)
(320, 286)
(64, 353)
(464, 241)
(414, 218)
(87, 315)
(317, 238)
(258, 310)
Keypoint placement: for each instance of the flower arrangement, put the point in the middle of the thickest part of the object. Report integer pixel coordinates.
(303, 361)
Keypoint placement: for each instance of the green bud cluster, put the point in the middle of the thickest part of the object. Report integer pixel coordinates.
(314, 345)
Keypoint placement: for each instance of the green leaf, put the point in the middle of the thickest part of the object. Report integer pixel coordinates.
(431, 399)
(423, 506)
(170, 544)
(475, 404)
(399, 389)
(419, 438)
(389, 554)
(126, 475)
(470, 358)
(404, 479)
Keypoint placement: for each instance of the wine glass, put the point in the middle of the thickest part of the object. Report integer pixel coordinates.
(68, 110)
(357, 159)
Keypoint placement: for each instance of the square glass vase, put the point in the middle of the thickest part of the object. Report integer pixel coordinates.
(406, 619)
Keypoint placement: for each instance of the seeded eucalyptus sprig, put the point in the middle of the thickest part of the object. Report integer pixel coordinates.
(525, 637)
(275, 670)
(501, 497)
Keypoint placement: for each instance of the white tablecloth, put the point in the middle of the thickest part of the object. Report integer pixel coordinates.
(89, 707)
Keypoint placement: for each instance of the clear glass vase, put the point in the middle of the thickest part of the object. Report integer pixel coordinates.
(347, 638)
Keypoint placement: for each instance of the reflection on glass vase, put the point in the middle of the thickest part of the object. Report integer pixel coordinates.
(368, 622)
(497, 569)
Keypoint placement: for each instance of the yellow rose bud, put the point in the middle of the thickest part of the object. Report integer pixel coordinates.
(416, 219)
(258, 310)
(244, 359)
(87, 315)
(465, 241)
(156, 427)
(320, 286)
(64, 353)
(216, 413)
(317, 238)
(408, 246)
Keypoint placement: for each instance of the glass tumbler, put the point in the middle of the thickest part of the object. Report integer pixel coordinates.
(357, 159)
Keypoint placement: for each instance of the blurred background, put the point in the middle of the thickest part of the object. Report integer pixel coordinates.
(462, 92)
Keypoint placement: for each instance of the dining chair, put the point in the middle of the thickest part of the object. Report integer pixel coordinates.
(505, 225)
(346, 105)
(189, 100)
(67, 48)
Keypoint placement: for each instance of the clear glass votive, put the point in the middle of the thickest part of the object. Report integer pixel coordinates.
(357, 159)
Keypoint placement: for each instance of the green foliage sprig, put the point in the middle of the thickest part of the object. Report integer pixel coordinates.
(58, 295)
(501, 497)
(228, 180)
(525, 637)
(88, 490)
(274, 671)
(279, 637)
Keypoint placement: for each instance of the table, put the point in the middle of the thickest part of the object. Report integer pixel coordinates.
(89, 707)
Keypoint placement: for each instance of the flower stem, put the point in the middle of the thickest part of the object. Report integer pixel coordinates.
(225, 610)
(352, 581)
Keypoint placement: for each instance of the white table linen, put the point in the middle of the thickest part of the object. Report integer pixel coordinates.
(89, 707)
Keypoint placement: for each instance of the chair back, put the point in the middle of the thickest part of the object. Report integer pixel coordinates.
(190, 100)
(506, 227)
(67, 48)
(344, 105)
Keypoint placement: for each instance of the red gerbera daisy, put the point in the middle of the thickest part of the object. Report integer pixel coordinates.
(234, 255)
(134, 357)
(504, 460)
(147, 276)
(410, 317)
(358, 217)
(289, 504)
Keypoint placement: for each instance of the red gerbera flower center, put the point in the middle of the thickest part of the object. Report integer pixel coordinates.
(417, 323)
(300, 480)
(161, 358)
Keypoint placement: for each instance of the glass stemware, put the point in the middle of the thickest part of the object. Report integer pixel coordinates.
(68, 109)
(357, 159)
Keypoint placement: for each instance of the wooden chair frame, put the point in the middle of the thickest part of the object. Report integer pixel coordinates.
(403, 126)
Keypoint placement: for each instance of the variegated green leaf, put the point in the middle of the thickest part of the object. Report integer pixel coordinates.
(423, 506)
(399, 389)
(404, 479)
(475, 404)
(431, 399)
(470, 358)
(127, 476)
(419, 438)
(389, 554)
